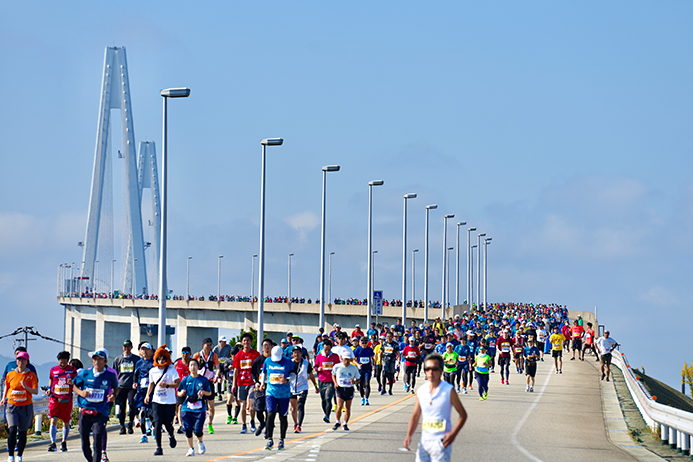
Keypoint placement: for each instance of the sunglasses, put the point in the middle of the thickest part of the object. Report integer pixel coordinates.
(432, 369)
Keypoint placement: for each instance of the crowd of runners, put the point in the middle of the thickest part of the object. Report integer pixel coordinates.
(151, 393)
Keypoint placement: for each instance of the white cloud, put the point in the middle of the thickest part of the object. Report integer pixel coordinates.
(659, 297)
(303, 222)
(22, 233)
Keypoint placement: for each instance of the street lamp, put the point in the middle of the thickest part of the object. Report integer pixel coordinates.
(425, 320)
(96, 272)
(219, 278)
(252, 279)
(325, 169)
(487, 241)
(187, 280)
(163, 287)
(469, 268)
(329, 286)
(447, 270)
(413, 277)
(478, 269)
(404, 260)
(457, 264)
(261, 281)
(288, 299)
(445, 259)
(370, 250)
(112, 267)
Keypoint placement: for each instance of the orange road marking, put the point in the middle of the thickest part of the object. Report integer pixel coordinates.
(367, 414)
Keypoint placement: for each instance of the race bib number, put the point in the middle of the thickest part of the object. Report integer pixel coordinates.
(276, 379)
(450, 362)
(428, 346)
(144, 383)
(433, 426)
(127, 368)
(197, 406)
(161, 392)
(18, 395)
(412, 355)
(344, 382)
(246, 363)
(95, 396)
(364, 360)
(328, 365)
(462, 359)
(389, 350)
(62, 389)
(505, 347)
(518, 349)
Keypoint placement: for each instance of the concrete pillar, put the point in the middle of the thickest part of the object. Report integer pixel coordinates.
(134, 329)
(672, 438)
(686, 444)
(664, 433)
(87, 340)
(100, 328)
(181, 332)
(76, 333)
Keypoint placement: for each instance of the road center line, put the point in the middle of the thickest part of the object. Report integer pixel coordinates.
(518, 427)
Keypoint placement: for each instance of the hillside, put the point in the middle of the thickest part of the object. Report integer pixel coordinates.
(664, 393)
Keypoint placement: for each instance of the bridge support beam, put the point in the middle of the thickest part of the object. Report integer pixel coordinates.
(672, 438)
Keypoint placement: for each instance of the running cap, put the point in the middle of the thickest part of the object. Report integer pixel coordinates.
(284, 340)
(207, 341)
(277, 354)
(23, 354)
(222, 338)
(448, 345)
(104, 351)
(346, 353)
(127, 343)
(99, 353)
(470, 332)
(147, 345)
(357, 325)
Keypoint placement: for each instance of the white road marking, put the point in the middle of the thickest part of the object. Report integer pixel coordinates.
(518, 427)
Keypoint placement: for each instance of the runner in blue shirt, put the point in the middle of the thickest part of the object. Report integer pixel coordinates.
(464, 376)
(277, 370)
(142, 383)
(194, 388)
(363, 355)
(91, 387)
(531, 354)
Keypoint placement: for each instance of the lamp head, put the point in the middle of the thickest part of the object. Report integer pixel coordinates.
(330, 168)
(461, 223)
(481, 234)
(432, 207)
(272, 142)
(450, 215)
(175, 93)
(410, 196)
(376, 183)
(471, 229)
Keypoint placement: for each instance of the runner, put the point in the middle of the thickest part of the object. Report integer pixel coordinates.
(518, 347)
(576, 332)
(541, 339)
(606, 345)
(124, 366)
(324, 363)
(277, 371)
(412, 358)
(60, 401)
(464, 374)
(434, 403)
(303, 371)
(378, 356)
(233, 406)
(589, 342)
(223, 352)
(504, 346)
(193, 390)
(390, 353)
(92, 386)
(161, 392)
(258, 394)
(556, 341)
(482, 362)
(531, 354)
(142, 374)
(182, 366)
(209, 362)
(363, 356)
(243, 380)
(344, 375)
(450, 359)
(20, 384)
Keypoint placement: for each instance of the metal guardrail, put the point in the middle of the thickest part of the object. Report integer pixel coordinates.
(675, 425)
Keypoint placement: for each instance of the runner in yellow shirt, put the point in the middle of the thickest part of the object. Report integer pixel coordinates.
(556, 341)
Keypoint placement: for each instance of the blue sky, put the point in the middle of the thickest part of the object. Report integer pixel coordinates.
(560, 129)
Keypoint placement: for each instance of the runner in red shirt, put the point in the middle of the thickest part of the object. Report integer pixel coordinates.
(504, 345)
(576, 333)
(589, 342)
(518, 348)
(181, 365)
(60, 402)
(243, 382)
(412, 357)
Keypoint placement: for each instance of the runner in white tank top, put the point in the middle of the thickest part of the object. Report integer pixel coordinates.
(435, 400)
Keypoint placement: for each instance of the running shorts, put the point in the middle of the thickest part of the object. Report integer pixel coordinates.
(541, 346)
(606, 359)
(20, 416)
(431, 449)
(259, 401)
(163, 413)
(556, 353)
(531, 370)
(345, 393)
(577, 344)
(280, 405)
(62, 411)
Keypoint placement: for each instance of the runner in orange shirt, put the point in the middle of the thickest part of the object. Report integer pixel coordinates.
(576, 333)
(20, 384)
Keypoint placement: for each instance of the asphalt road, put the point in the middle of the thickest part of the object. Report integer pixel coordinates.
(562, 420)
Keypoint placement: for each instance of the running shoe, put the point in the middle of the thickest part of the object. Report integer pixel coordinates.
(104, 457)
(346, 428)
(326, 419)
(485, 395)
(298, 429)
(380, 388)
(259, 429)
(502, 381)
(334, 407)
(211, 429)
(542, 359)
(572, 359)
(159, 452)
(603, 375)
(63, 446)
(560, 371)
(471, 388)
(172, 441)
(390, 393)
(269, 445)
(234, 420)
(244, 430)
(180, 430)
(10, 459)
(252, 426)
(507, 382)
(367, 402)
(557, 372)
(527, 388)
(465, 390)
(406, 387)
(363, 401)
(280, 446)
(381, 393)
(201, 447)
(607, 379)
(336, 426)
(531, 389)
(130, 430)
(52, 447)
(229, 420)
(190, 453)
(481, 398)
(458, 389)
(122, 431)
(144, 439)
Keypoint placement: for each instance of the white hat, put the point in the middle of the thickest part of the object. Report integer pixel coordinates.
(346, 353)
(357, 325)
(222, 338)
(105, 351)
(277, 354)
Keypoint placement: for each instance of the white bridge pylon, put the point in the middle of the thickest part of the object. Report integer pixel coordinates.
(136, 175)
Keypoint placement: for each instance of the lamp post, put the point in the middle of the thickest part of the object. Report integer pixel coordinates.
(325, 169)
(457, 264)
(425, 320)
(163, 287)
(219, 278)
(447, 270)
(373, 282)
(329, 286)
(478, 269)
(445, 259)
(469, 267)
(96, 272)
(261, 281)
(112, 268)
(187, 280)
(72, 278)
(369, 286)
(404, 260)
(413, 277)
(288, 298)
(252, 278)
(487, 241)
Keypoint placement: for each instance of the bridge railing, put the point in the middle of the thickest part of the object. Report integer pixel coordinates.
(675, 425)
